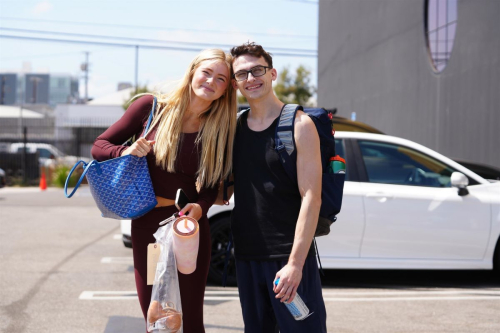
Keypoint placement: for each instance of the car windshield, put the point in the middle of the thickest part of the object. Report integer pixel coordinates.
(45, 153)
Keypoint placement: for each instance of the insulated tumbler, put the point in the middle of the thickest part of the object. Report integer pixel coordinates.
(186, 241)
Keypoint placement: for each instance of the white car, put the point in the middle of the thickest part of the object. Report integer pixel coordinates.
(47, 153)
(404, 207)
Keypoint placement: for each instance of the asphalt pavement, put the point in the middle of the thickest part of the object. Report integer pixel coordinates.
(65, 269)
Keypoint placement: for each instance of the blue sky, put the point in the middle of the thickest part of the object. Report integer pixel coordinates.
(290, 24)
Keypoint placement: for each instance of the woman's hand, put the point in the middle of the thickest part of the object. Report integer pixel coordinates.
(194, 210)
(139, 148)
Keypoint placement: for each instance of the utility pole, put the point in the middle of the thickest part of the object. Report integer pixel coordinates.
(21, 107)
(85, 68)
(136, 68)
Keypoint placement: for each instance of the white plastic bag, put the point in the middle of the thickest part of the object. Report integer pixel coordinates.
(165, 310)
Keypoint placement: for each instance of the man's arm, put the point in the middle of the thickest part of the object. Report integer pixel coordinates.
(309, 173)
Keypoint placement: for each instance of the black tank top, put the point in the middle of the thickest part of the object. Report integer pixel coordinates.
(267, 202)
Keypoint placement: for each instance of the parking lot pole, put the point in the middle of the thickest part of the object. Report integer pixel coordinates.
(25, 152)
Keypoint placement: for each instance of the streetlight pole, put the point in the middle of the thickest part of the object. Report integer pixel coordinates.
(21, 107)
(86, 77)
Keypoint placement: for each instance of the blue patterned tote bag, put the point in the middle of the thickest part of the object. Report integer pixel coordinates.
(121, 187)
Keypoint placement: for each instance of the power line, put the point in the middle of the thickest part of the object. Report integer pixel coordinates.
(36, 56)
(156, 28)
(305, 1)
(142, 39)
(144, 46)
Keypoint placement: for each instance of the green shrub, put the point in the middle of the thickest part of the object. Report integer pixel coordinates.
(61, 173)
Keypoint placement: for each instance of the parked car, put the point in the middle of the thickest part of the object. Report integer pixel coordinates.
(405, 206)
(2, 178)
(47, 153)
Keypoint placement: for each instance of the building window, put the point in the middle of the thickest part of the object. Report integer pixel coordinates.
(440, 27)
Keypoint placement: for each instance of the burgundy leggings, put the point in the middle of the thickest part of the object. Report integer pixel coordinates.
(192, 286)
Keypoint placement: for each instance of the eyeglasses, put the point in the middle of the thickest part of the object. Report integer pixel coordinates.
(256, 72)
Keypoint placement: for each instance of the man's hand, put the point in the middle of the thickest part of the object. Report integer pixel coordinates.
(290, 277)
(139, 148)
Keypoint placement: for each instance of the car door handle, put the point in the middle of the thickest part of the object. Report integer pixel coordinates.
(380, 196)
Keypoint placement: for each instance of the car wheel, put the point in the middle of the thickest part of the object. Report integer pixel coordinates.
(496, 259)
(220, 228)
(127, 241)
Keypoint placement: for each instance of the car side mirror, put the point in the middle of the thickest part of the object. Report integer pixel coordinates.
(460, 181)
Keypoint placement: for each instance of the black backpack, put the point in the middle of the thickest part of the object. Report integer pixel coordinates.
(332, 183)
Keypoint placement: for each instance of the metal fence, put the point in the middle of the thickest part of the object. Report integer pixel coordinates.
(26, 166)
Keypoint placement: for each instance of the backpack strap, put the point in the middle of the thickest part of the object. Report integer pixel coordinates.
(284, 138)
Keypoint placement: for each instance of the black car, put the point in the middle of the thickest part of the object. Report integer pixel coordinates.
(2, 178)
(486, 171)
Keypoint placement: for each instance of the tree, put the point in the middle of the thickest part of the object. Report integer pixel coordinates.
(242, 99)
(297, 89)
(139, 90)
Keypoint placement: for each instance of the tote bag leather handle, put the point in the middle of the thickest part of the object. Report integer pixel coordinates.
(86, 169)
(150, 117)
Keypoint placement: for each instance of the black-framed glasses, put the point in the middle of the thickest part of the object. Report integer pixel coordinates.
(256, 72)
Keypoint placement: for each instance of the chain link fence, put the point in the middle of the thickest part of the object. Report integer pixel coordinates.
(30, 148)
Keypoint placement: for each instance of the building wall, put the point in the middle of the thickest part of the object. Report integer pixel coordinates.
(37, 89)
(8, 89)
(63, 90)
(46, 88)
(373, 60)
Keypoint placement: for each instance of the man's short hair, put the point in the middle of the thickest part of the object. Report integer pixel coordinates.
(252, 49)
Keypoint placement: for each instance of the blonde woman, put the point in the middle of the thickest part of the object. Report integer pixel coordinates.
(190, 142)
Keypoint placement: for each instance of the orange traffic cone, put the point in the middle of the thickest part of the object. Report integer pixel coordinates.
(43, 182)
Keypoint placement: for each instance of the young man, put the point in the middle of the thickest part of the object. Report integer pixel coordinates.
(274, 220)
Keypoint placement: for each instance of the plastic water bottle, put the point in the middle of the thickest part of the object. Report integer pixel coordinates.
(337, 165)
(297, 308)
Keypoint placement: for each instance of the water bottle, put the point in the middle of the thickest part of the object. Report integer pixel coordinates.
(297, 308)
(337, 165)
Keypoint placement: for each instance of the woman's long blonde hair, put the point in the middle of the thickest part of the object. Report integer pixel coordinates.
(217, 125)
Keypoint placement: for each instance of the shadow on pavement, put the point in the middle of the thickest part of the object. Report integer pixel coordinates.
(228, 328)
(121, 324)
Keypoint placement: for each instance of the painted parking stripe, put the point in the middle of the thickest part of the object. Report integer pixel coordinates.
(396, 299)
(117, 260)
(117, 236)
(416, 292)
(108, 295)
(223, 295)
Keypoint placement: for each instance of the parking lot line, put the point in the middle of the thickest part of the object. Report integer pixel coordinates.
(232, 295)
(414, 292)
(117, 260)
(396, 299)
(108, 295)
